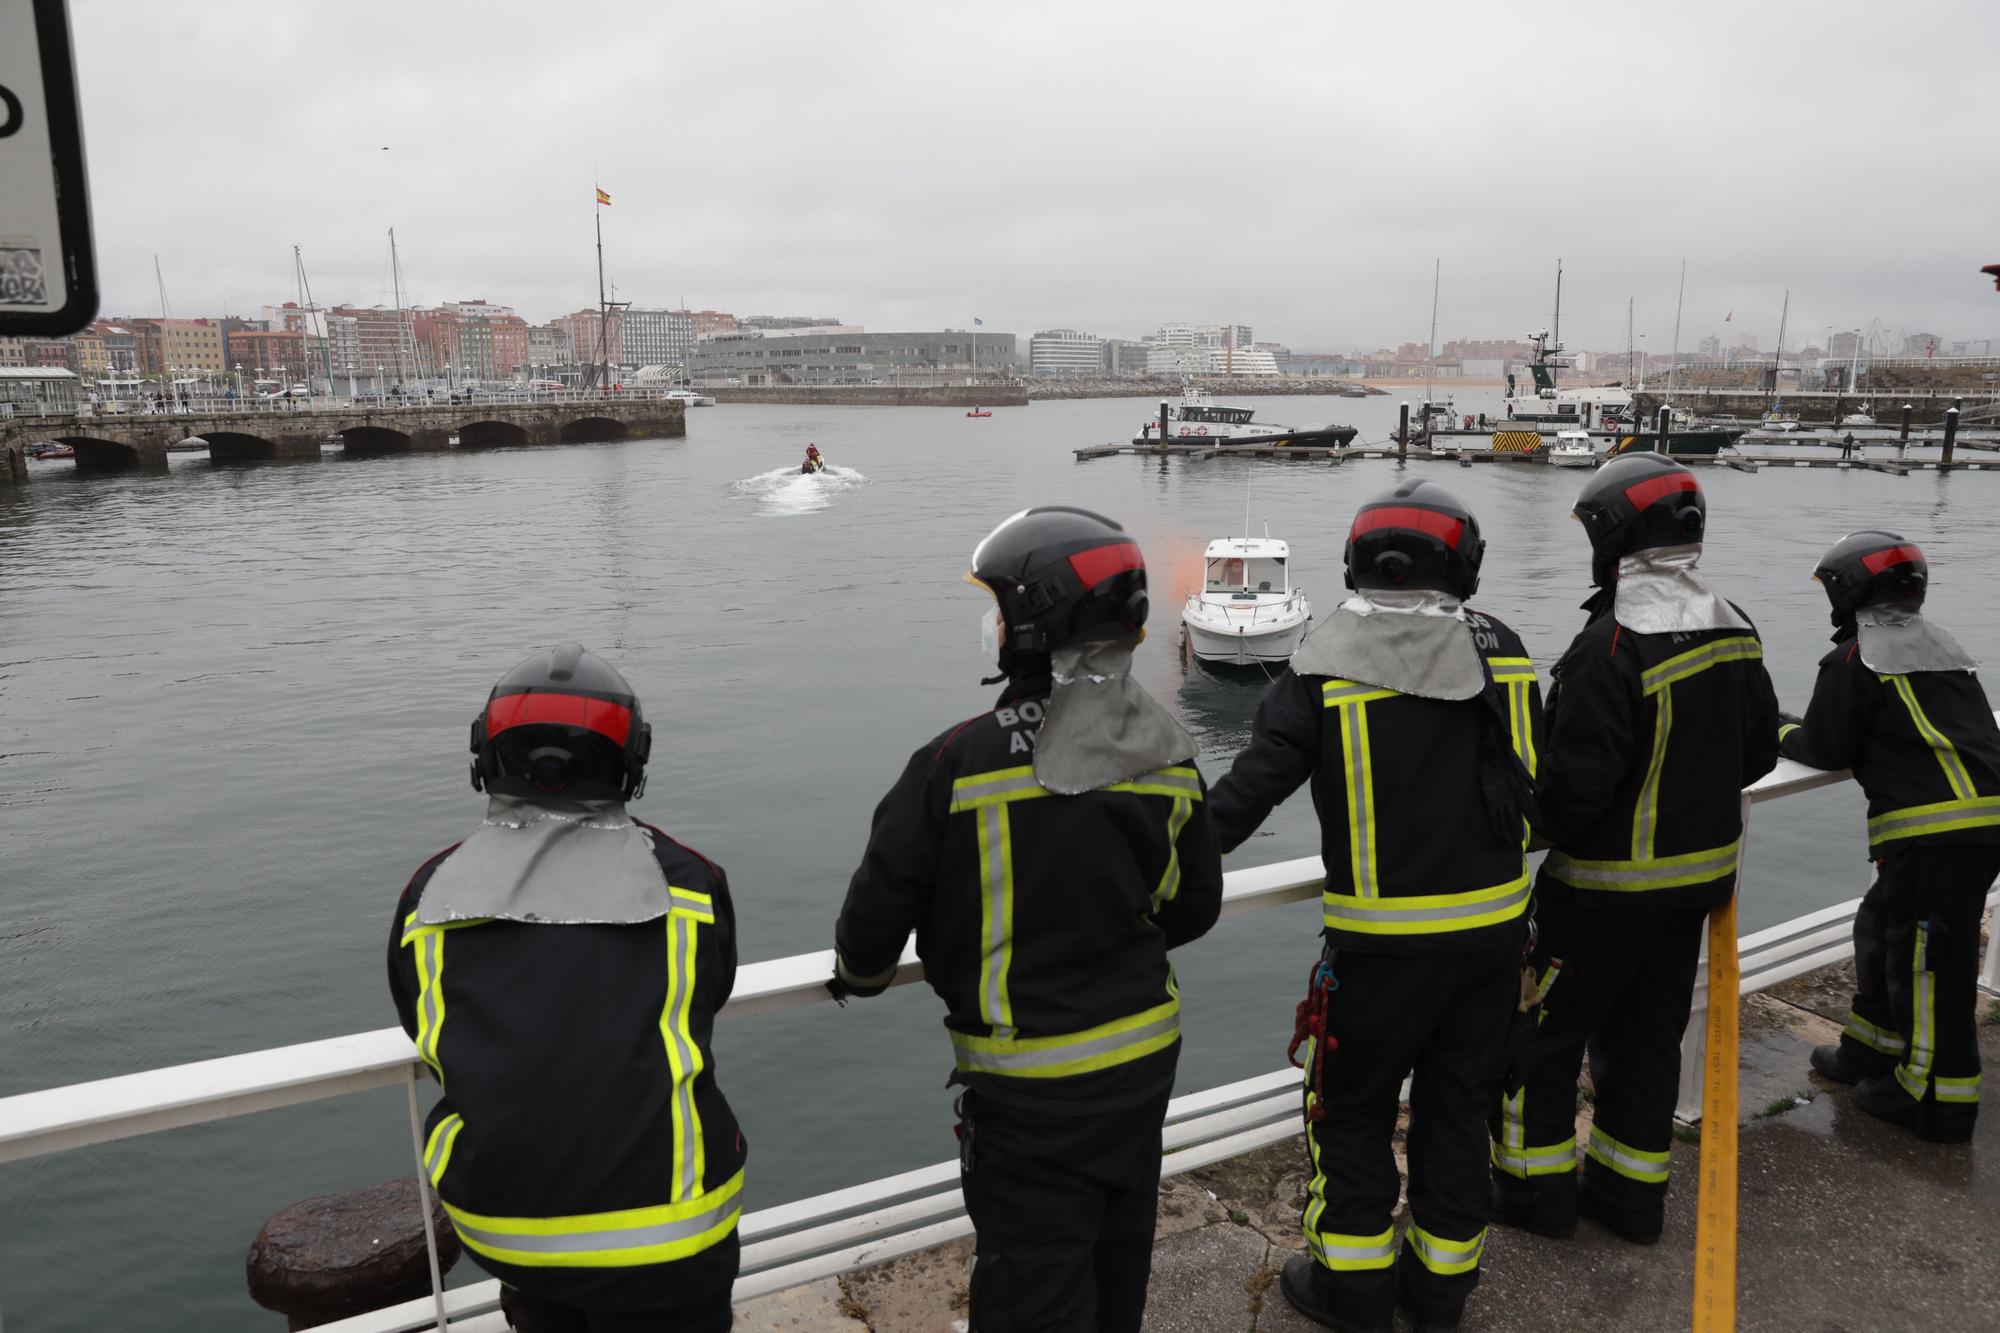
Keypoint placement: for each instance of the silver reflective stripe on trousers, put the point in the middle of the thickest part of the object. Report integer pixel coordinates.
(1004, 1062)
(609, 1238)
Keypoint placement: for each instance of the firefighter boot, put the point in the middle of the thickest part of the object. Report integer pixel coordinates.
(1546, 1207)
(1309, 1290)
(1842, 1064)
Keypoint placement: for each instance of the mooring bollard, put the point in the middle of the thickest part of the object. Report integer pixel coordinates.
(345, 1254)
(1666, 417)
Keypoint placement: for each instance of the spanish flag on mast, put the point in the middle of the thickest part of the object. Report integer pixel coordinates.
(603, 198)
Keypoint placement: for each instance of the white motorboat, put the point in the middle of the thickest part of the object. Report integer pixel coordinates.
(1857, 419)
(1197, 420)
(689, 398)
(1247, 611)
(1573, 449)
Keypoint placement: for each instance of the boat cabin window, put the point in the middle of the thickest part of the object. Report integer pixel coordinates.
(1235, 416)
(1235, 574)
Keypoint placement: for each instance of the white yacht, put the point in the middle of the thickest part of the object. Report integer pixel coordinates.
(1198, 420)
(690, 398)
(1247, 611)
(1573, 449)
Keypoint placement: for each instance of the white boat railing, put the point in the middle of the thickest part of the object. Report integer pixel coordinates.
(797, 1242)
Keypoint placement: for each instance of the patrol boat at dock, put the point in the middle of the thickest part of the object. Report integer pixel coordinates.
(1196, 419)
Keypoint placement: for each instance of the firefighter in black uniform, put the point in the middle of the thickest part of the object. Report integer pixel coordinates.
(1661, 712)
(1897, 702)
(1416, 719)
(1048, 854)
(560, 971)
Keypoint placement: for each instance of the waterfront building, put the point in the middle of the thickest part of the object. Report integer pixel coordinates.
(702, 323)
(1125, 358)
(176, 346)
(260, 353)
(1065, 352)
(1169, 360)
(548, 348)
(28, 391)
(850, 356)
(1181, 334)
(1238, 362)
(379, 343)
(582, 328)
(794, 323)
(13, 352)
(655, 337)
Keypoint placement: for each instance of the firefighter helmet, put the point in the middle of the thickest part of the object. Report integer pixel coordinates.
(1636, 503)
(1416, 537)
(1872, 568)
(1061, 576)
(562, 723)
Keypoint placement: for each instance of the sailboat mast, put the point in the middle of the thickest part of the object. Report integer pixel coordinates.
(396, 290)
(166, 312)
(1430, 348)
(1674, 365)
(1778, 360)
(603, 314)
(1556, 340)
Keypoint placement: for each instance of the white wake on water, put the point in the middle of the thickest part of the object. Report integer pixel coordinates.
(786, 490)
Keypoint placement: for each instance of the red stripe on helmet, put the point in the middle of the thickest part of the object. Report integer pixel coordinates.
(1427, 521)
(1099, 563)
(1877, 561)
(609, 720)
(1641, 494)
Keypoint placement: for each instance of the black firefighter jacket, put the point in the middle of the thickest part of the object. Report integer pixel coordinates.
(1420, 801)
(1923, 746)
(1043, 921)
(581, 1147)
(1652, 738)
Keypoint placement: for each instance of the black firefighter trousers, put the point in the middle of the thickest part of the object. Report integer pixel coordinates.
(1064, 1208)
(1442, 1020)
(1624, 989)
(1916, 965)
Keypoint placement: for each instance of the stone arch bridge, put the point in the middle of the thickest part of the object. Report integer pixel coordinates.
(123, 443)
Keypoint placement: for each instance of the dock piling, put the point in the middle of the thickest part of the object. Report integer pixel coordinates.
(1950, 435)
(1403, 434)
(1662, 445)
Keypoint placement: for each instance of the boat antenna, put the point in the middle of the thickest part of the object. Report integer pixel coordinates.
(1674, 365)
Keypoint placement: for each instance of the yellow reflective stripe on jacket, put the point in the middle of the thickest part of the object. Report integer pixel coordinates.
(437, 1148)
(1660, 872)
(1020, 784)
(1960, 1090)
(1633, 1163)
(1914, 821)
(627, 1238)
(1646, 814)
(1170, 880)
(1350, 700)
(1735, 648)
(427, 952)
(684, 1058)
(1182, 784)
(692, 902)
(1879, 1040)
(1102, 1047)
(1941, 746)
(1425, 914)
(1349, 1254)
(1445, 1257)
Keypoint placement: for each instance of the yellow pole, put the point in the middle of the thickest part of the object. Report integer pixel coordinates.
(1715, 1225)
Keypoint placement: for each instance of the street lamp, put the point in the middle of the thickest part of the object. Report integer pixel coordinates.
(239, 382)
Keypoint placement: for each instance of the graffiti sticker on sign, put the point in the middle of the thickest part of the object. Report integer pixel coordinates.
(48, 281)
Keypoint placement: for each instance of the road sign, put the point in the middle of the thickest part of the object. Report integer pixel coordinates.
(48, 278)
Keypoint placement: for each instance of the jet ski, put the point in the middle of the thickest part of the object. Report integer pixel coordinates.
(814, 462)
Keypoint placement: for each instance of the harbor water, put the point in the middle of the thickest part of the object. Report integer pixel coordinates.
(234, 707)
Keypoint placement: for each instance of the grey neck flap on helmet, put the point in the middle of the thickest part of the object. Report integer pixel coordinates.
(1411, 642)
(1659, 591)
(1896, 640)
(550, 862)
(1102, 726)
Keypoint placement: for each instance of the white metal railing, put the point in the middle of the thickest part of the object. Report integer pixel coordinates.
(845, 1229)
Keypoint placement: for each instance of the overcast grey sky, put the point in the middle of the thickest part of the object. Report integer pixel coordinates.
(1104, 166)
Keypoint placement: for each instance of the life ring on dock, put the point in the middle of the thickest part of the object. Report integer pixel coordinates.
(1186, 431)
(1201, 430)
